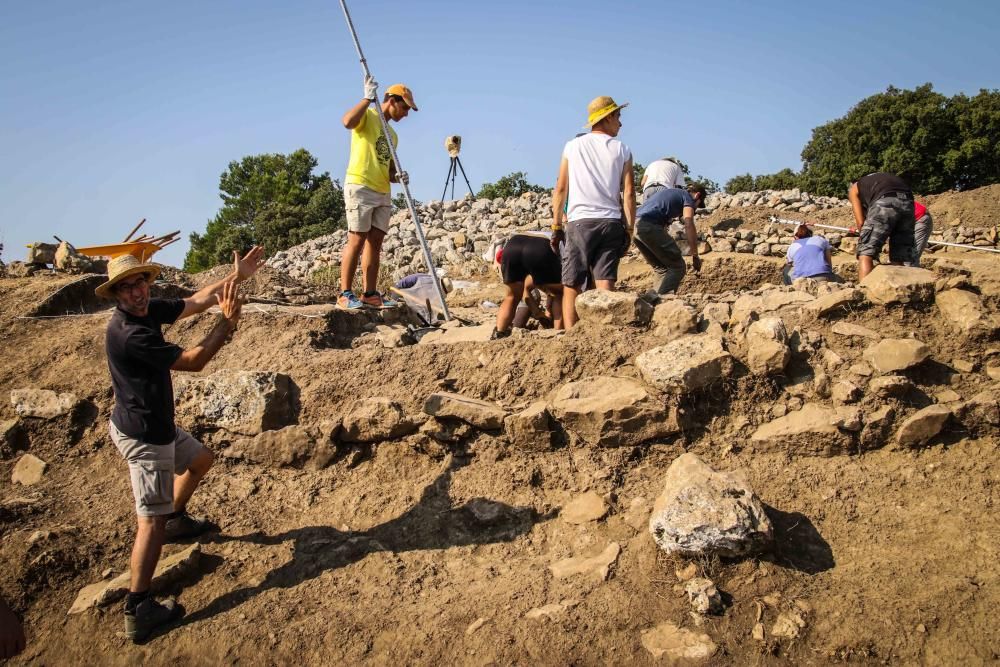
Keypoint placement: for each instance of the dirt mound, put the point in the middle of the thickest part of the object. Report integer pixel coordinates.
(420, 551)
(973, 208)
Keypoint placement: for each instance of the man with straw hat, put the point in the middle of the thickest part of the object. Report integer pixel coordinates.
(595, 173)
(142, 421)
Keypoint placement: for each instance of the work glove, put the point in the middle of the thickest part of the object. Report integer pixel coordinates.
(371, 88)
(404, 178)
(696, 263)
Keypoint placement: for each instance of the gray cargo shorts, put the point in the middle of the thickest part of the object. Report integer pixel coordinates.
(889, 218)
(593, 244)
(152, 468)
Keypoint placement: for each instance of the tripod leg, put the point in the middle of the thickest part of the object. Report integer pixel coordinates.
(459, 162)
(451, 168)
(454, 172)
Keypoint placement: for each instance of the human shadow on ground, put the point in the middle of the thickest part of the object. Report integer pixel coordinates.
(797, 543)
(433, 523)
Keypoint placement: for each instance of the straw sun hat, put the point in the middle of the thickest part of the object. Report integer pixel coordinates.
(121, 268)
(599, 108)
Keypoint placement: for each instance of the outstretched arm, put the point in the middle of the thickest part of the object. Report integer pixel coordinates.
(559, 204)
(628, 189)
(692, 236)
(198, 356)
(207, 297)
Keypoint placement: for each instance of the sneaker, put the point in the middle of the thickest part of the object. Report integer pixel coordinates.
(148, 616)
(185, 526)
(349, 301)
(377, 300)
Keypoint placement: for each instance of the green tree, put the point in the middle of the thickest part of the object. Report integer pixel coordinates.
(786, 179)
(399, 202)
(740, 183)
(974, 160)
(273, 200)
(511, 185)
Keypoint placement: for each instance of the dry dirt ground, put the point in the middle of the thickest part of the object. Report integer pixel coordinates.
(889, 556)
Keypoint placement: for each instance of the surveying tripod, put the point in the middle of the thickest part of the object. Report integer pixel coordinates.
(456, 164)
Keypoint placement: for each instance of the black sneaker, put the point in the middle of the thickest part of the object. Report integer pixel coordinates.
(149, 615)
(184, 526)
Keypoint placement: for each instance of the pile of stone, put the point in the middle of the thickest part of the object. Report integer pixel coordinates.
(460, 232)
(779, 200)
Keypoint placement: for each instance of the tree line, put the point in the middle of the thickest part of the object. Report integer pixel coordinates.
(932, 141)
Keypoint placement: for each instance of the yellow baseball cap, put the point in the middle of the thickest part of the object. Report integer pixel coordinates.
(600, 107)
(404, 92)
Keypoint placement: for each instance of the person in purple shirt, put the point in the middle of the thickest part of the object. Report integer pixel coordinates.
(809, 257)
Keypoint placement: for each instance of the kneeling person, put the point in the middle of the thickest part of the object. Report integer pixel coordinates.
(529, 258)
(809, 257)
(883, 211)
(142, 421)
(655, 243)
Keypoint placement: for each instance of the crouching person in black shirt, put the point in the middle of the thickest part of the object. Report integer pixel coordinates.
(165, 463)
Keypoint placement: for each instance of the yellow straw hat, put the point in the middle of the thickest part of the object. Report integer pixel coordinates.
(599, 108)
(121, 268)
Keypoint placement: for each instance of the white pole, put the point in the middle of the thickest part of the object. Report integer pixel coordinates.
(428, 260)
(844, 229)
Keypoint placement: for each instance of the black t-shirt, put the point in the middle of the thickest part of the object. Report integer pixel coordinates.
(873, 187)
(140, 361)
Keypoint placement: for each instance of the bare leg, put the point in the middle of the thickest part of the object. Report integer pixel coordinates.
(349, 258)
(569, 305)
(865, 266)
(555, 293)
(146, 551)
(607, 285)
(505, 316)
(184, 485)
(371, 258)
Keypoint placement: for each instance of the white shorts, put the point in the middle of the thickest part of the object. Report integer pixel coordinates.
(366, 208)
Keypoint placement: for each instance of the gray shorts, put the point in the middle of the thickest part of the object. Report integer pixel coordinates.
(921, 235)
(889, 218)
(593, 245)
(152, 468)
(365, 208)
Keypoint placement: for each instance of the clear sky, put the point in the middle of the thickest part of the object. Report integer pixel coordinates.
(112, 111)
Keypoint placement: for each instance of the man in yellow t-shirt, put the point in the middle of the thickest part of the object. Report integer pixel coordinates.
(366, 191)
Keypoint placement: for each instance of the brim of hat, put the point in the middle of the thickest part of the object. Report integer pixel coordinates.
(104, 289)
(620, 106)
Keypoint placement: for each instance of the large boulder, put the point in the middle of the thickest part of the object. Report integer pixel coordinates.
(481, 414)
(922, 425)
(242, 402)
(686, 364)
(889, 284)
(768, 301)
(965, 312)
(674, 318)
(610, 411)
(701, 512)
(531, 428)
(374, 420)
(767, 346)
(295, 446)
(834, 301)
(42, 403)
(614, 308)
(809, 431)
(896, 354)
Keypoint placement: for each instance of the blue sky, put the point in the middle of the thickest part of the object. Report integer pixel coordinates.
(115, 111)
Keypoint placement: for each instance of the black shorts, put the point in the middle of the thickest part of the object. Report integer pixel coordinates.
(525, 256)
(594, 244)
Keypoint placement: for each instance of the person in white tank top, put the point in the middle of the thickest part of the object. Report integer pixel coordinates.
(597, 188)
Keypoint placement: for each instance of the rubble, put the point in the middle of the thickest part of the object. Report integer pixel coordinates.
(613, 308)
(688, 363)
(42, 403)
(240, 402)
(896, 354)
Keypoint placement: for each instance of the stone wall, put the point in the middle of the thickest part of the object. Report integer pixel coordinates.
(460, 231)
